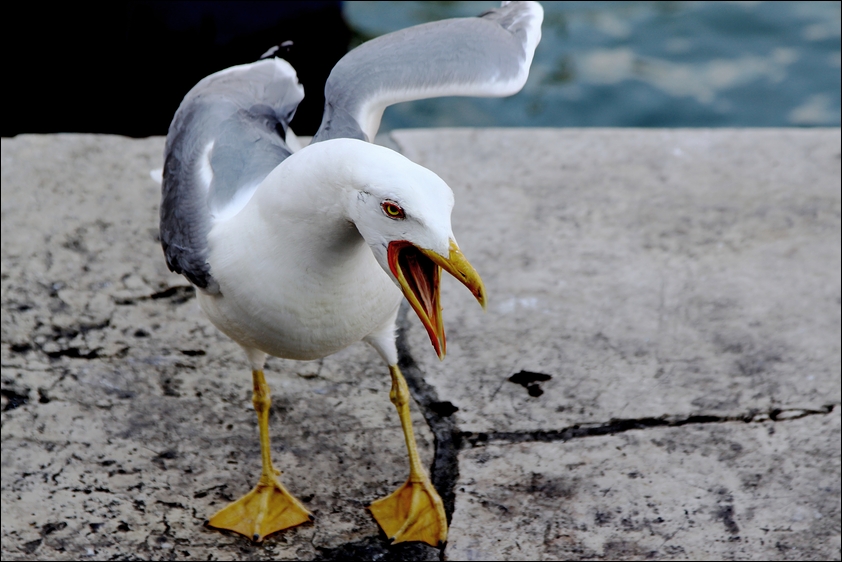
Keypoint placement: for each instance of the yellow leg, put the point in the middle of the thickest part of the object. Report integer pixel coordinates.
(414, 512)
(268, 508)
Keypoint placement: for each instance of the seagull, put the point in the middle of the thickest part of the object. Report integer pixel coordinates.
(300, 252)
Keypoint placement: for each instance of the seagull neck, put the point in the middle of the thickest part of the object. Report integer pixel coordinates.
(305, 202)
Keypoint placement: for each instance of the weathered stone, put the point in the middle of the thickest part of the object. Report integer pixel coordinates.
(730, 491)
(649, 272)
(127, 417)
(671, 283)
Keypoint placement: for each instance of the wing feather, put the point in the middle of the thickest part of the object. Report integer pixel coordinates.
(226, 136)
(486, 56)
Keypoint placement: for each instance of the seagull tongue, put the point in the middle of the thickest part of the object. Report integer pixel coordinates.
(420, 272)
(418, 277)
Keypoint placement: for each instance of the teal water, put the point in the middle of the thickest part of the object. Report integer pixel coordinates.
(646, 64)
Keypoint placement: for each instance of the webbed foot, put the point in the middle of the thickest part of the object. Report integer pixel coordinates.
(414, 512)
(267, 509)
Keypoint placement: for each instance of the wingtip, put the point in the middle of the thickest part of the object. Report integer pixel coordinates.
(516, 18)
(531, 20)
(277, 50)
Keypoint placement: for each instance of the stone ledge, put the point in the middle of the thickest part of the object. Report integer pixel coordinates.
(672, 283)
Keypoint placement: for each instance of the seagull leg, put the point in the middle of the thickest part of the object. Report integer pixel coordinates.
(414, 512)
(268, 508)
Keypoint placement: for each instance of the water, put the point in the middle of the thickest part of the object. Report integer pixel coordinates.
(646, 64)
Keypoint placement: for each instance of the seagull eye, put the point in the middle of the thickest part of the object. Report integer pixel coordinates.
(392, 210)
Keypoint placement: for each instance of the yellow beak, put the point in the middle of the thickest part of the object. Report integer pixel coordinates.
(418, 272)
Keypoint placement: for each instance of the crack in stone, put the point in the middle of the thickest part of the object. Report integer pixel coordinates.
(616, 426)
(378, 548)
(176, 295)
(73, 353)
(445, 469)
(444, 473)
(14, 399)
(449, 441)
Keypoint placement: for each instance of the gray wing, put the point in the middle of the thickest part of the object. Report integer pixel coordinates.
(226, 136)
(486, 56)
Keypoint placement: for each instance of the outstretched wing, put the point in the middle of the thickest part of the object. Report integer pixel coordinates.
(227, 135)
(486, 56)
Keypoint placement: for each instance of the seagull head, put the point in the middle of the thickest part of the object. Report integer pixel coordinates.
(402, 210)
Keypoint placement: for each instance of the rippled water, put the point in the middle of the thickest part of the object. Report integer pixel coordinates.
(646, 64)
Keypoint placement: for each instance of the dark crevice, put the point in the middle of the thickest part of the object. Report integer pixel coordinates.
(530, 381)
(622, 425)
(62, 335)
(444, 409)
(438, 414)
(176, 295)
(449, 441)
(444, 472)
(31, 546)
(74, 353)
(53, 527)
(378, 548)
(14, 399)
(525, 378)
(69, 333)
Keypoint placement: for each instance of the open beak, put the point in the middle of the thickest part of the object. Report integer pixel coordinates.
(418, 272)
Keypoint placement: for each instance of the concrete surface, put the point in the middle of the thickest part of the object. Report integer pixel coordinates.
(669, 302)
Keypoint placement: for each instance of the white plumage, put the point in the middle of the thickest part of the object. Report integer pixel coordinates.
(302, 268)
(300, 252)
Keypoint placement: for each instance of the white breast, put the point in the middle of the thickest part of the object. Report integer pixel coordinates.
(292, 285)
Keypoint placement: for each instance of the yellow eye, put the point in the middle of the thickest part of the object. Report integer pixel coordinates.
(392, 210)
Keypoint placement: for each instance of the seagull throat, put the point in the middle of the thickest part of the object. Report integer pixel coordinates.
(418, 277)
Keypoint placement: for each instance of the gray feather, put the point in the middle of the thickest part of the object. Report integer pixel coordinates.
(466, 56)
(244, 112)
(229, 131)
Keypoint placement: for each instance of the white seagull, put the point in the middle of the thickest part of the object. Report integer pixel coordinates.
(299, 254)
